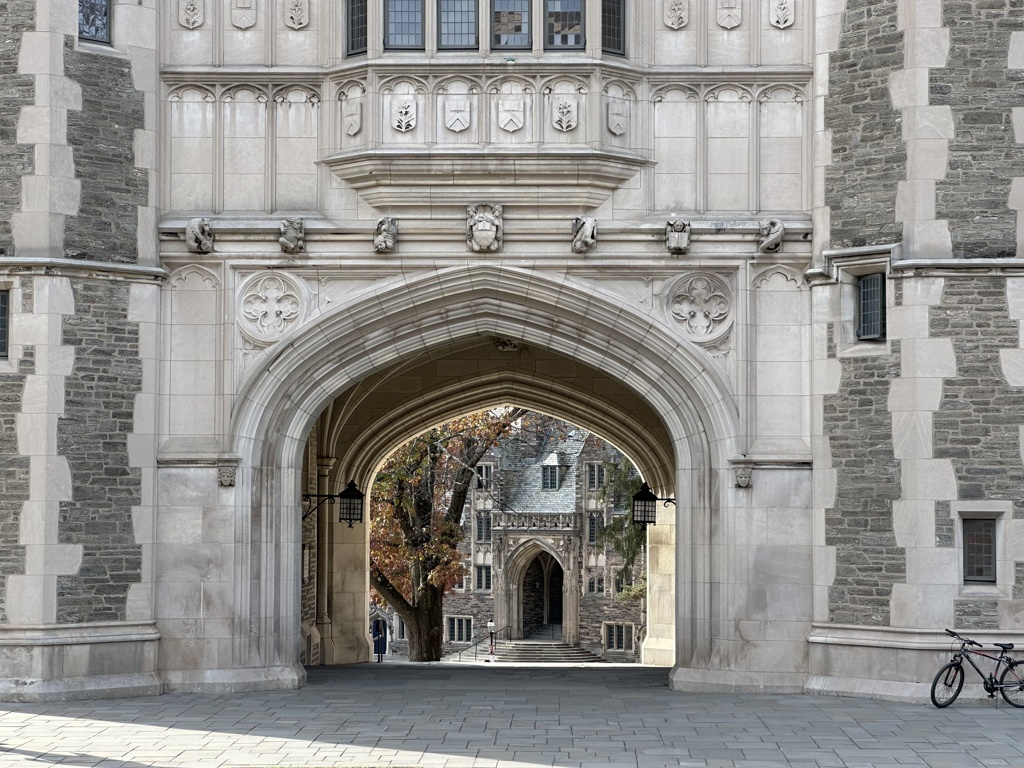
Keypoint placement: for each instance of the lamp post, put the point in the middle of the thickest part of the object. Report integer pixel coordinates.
(349, 503)
(490, 628)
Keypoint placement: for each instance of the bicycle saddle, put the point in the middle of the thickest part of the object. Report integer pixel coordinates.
(1004, 646)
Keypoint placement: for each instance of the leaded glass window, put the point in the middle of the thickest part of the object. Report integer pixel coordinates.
(979, 550)
(403, 21)
(356, 26)
(613, 26)
(94, 20)
(871, 306)
(510, 24)
(563, 24)
(457, 27)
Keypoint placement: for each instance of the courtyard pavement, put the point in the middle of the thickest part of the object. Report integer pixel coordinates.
(482, 716)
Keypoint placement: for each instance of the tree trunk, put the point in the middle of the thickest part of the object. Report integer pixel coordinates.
(425, 627)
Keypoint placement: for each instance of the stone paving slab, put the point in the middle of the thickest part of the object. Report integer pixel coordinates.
(398, 715)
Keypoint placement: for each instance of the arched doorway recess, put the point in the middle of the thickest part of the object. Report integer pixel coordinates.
(424, 317)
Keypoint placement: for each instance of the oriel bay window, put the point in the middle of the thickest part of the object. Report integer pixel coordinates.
(563, 24)
(403, 24)
(357, 19)
(613, 26)
(457, 26)
(510, 24)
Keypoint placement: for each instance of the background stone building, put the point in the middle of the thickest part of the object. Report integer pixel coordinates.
(768, 248)
(536, 565)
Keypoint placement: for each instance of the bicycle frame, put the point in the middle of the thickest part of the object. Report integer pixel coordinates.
(990, 682)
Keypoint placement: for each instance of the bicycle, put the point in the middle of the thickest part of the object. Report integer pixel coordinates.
(950, 680)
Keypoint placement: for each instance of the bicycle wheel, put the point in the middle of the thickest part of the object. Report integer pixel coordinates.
(1013, 680)
(947, 684)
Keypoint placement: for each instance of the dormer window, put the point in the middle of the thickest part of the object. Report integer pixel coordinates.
(551, 477)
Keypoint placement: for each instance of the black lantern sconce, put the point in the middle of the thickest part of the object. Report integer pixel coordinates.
(645, 506)
(349, 503)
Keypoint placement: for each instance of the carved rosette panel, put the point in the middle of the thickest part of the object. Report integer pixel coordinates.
(702, 304)
(191, 13)
(677, 13)
(270, 305)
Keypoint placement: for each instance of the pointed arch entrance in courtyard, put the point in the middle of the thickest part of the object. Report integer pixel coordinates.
(399, 357)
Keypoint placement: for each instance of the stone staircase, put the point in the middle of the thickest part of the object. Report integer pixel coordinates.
(543, 652)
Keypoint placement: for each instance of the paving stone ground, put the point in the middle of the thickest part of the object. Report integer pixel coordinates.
(394, 715)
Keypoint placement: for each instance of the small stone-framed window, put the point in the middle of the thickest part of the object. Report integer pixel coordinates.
(862, 276)
(94, 21)
(5, 324)
(457, 26)
(595, 476)
(483, 578)
(483, 526)
(551, 476)
(871, 306)
(484, 473)
(460, 629)
(595, 523)
(618, 637)
(403, 24)
(563, 24)
(981, 542)
(510, 24)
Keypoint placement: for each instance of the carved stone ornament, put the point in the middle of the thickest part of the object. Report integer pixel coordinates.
(271, 304)
(296, 14)
(352, 117)
(677, 13)
(730, 13)
(226, 475)
(456, 114)
(511, 114)
(385, 237)
(584, 234)
(293, 236)
(743, 476)
(771, 232)
(618, 117)
(243, 13)
(781, 14)
(565, 114)
(702, 305)
(191, 13)
(506, 345)
(677, 236)
(403, 115)
(199, 236)
(485, 230)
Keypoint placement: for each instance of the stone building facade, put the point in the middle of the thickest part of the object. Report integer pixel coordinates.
(536, 564)
(770, 249)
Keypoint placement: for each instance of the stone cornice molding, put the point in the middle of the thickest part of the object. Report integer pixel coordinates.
(895, 637)
(78, 634)
(82, 268)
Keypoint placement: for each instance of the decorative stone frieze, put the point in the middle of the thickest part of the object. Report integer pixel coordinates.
(484, 228)
(729, 13)
(191, 13)
(385, 238)
(584, 234)
(677, 13)
(199, 236)
(702, 304)
(270, 305)
(243, 13)
(296, 14)
(293, 235)
(781, 14)
(677, 236)
(771, 232)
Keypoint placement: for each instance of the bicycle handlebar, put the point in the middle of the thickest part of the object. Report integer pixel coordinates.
(964, 640)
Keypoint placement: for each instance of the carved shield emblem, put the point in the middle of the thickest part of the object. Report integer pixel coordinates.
(191, 13)
(564, 117)
(403, 115)
(296, 14)
(618, 117)
(456, 115)
(781, 14)
(243, 13)
(677, 13)
(352, 117)
(730, 13)
(511, 114)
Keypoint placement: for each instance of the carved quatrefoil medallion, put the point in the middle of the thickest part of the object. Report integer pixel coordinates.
(270, 306)
(702, 304)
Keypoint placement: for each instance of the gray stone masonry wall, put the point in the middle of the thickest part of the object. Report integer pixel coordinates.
(859, 427)
(868, 154)
(16, 91)
(984, 154)
(92, 434)
(14, 475)
(102, 135)
(976, 614)
(978, 422)
(597, 608)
